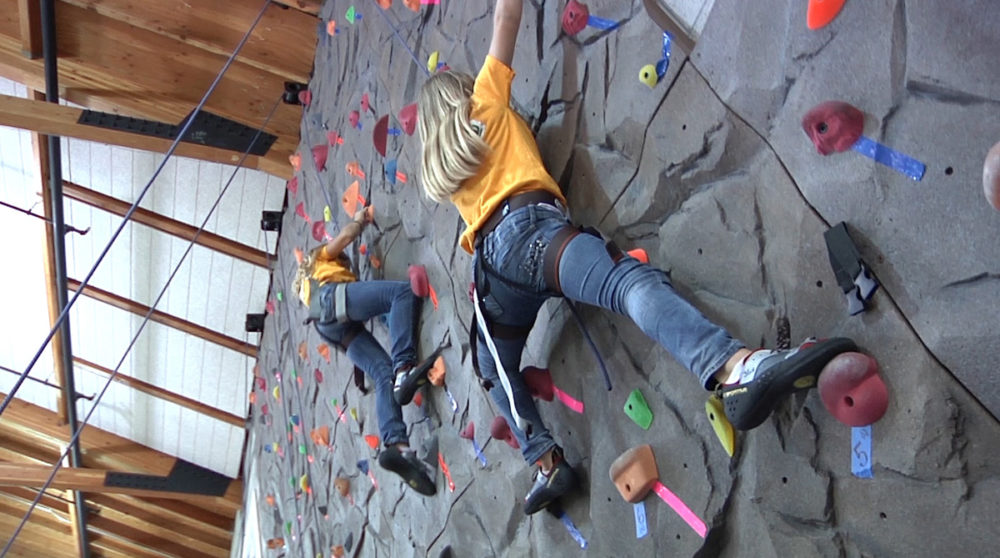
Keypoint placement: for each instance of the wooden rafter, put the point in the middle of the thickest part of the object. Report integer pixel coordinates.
(166, 224)
(164, 318)
(30, 17)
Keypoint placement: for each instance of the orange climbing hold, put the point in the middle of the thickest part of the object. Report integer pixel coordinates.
(324, 351)
(437, 372)
(299, 256)
(331, 28)
(372, 440)
(321, 436)
(303, 351)
(418, 399)
(270, 500)
(434, 295)
(354, 169)
(821, 12)
(296, 160)
(639, 254)
(351, 198)
(412, 4)
(385, 4)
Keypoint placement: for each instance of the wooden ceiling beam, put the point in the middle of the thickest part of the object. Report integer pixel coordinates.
(57, 120)
(283, 43)
(30, 16)
(168, 320)
(44, 534)
(153, 534)
(187, 521)
(167, 395)
(167, 225)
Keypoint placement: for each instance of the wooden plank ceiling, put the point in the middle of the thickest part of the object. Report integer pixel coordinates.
(150, 60)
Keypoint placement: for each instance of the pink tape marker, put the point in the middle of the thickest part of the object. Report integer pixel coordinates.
(340, 414)
(681, 508)
(372, 477)
(568, 400)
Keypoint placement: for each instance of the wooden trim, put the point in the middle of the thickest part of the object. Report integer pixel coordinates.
(49, 118)
(311, 7)
(80, 479)
(166, 395)
(30, 14)
(165, 224)
(168, 320)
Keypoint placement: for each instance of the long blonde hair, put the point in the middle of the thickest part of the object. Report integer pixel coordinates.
(305, 269)
(452, 146)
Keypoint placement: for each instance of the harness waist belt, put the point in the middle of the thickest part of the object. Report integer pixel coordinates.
(517, 201)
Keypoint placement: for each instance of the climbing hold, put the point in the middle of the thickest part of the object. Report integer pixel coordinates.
(639, 254)
(320, 436)
(270, 500)
(302, 449)
(539, 382)
(852, 390)
(333, 138)
(412, 4)
(437, 372)
(433, 294)
(324, 351)
(822, 12)
(280, 295)
(418, 280)
(275, 543)
(469, 433)
(638, 410)
(363, 466)
(352, 15)
(276, 392)
(833, 126)
(264, 409)
(418, 399)
(380, 134)
(303, 353)
(371, 440)
(293, 185)
(991, 176)
(432, 62)
(337, 551)
(365, 104)
(305, 97)
(304, 482)
(300, 210)
(319, 231)
(363, 249)
(318, 374)
(385, 4)
(299, 256)
(647, 75)
(351, 198)
(296, 161)
(320, 153)
(447, 473)
(294, 420)
(634, 472)
(720, 423)
(253, 398)
(269, 307)
(574, 17)
(354, 169)
(500, 430)
(260, 382)
(390, 171)
(408, 118)
(354, 414)
(355, 119)
(331, 28)
(376, 263)
(327, 214)
(343, 486)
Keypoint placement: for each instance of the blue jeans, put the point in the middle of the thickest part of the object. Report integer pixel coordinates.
(513, 254)
(365, 300)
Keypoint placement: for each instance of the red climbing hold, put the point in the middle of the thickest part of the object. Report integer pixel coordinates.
(991, 176)
(408, 118)
(380, 133)
(852, 390)
(500, 430)
(539, 381)
(305, 97)
(320, 153)
(574, 17)
(364, 103)
(333, 138)
(293, 185)
(418, 280)
(834, 126)
(300, 210)
(821, 12)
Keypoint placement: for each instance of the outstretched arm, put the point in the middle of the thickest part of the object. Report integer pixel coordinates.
(506, 23)
(347, 234)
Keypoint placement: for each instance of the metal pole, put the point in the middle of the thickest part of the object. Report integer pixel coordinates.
(59, 249)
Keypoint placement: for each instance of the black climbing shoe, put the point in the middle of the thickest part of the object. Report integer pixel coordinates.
(408, 381)
(769, 376)
(407, 465)
(560, 480)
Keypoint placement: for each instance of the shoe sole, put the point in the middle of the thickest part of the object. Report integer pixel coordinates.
(569, 482)
(403, 396)
(768, 391)
(417, 480)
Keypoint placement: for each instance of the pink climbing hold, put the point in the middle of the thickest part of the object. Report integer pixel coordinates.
(991, 176)
(263, 409)
(260, 382)
(852, 390)
(418, 280)
(539, 382)
(293, 185)
(500, 430)
(833, 126)
(300, 210)
(333, 138)
(574, 17)
(320, 153)
(364, 103)
(269, 307)
(319, 375)
(355, 119)
(305, 97)
(469, 432)
(319, 231)
(408, 118)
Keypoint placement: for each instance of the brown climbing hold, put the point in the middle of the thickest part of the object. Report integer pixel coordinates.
(634, 473)
(337, 551)
(343, 486)
(833, 126)
(991, 176)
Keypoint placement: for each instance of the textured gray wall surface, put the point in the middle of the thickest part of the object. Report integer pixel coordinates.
(712, 174)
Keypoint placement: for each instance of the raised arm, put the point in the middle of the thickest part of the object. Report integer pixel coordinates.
(506, 23)
(352, 230)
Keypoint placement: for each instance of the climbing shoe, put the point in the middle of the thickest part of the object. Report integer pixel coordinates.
(767, 377)
(406, 464)
(547, 487)
(409, 380)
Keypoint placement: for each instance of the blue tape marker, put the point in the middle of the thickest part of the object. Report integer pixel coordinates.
(451, 401)
(641, 529)
(479, 452)
(890, 157)
(601, 23)
(564, 517)
(861, 451)
(664, 63)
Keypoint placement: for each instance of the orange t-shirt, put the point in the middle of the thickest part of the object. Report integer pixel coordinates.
(513, 164)
(326, 270)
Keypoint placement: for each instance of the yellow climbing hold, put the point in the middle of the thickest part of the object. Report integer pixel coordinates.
(647, 75)
(276, 392)
(432, 62)
(724, 430)
(327, 215)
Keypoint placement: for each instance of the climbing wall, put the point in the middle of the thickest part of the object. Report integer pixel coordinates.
(708, 169)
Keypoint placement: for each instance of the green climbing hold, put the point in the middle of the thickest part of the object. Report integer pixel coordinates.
(350, 14)
(281, 297)
(637, 409)
(302, 449)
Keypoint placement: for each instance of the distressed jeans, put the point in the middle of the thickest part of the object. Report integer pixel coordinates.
(513, 256)
(365, 300)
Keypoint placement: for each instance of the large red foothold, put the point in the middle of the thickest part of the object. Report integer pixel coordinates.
(574, 17)
(408, 118)
(852, 390)
(834, 126)
(418, 280)
(320, 153)
(991, 176)
(380, 133)
(821, 12)
(539, 381)
(500, 430)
